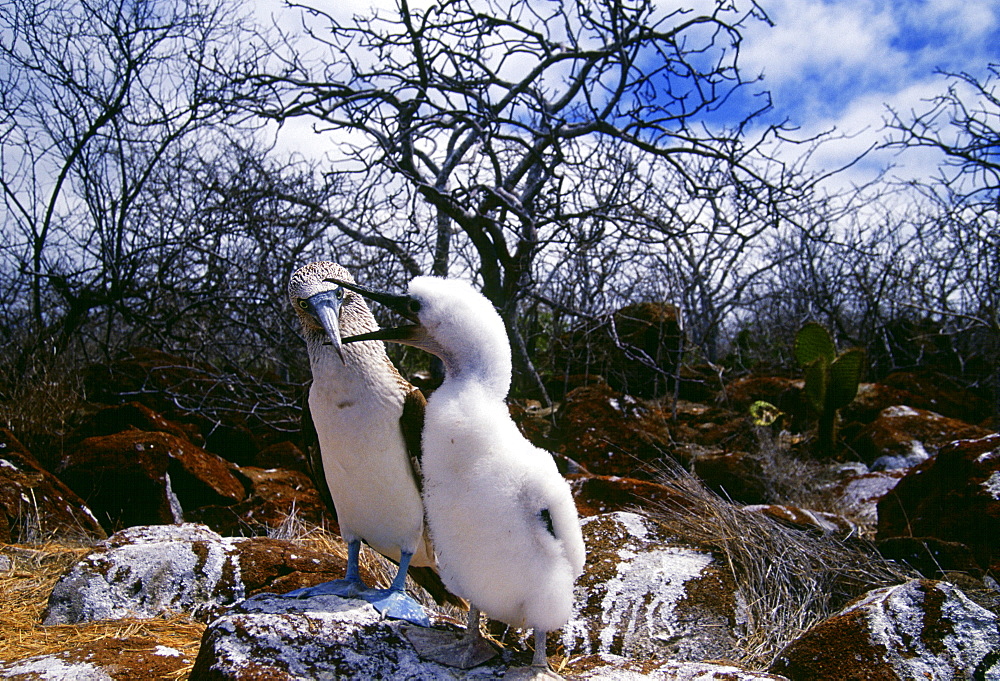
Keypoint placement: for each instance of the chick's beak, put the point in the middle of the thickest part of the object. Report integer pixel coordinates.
(326, 307)
(400, 304)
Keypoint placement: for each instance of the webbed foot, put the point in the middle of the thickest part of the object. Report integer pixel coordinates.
(397, 605)
(449, 648)
(345, 588)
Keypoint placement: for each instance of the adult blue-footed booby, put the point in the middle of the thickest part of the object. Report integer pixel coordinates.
(368, 421)
(502, 518)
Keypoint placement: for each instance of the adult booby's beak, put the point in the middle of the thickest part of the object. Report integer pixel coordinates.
(325, 305)
(405, 306)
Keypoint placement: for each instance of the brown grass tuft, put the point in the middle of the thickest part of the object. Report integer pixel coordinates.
(24, 593)
(789, 579)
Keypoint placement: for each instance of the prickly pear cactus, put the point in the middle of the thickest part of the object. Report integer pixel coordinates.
(831, 379)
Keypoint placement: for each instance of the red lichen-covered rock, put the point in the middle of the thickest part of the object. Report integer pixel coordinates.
(609, 433)
(902, 436)
(275, 497)
(917, 630)
(134, 415)
(647, 597)
(784, 393)
(140, 478)
(34, 504)
(735, 475)
(859, 494)
(106, 657)
(940, 394)
(805, 519)
(597, 494)
(954, 496)
(284, 454)
(146, 572)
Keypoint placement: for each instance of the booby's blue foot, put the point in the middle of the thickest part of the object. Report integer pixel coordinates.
(397, 605)
(350, 587)
(345, 588)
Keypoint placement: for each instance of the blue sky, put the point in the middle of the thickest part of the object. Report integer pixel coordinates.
(832, 64)
(837, 64)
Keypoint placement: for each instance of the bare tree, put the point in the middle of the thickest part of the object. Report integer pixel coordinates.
(496, 113)
(101, 94)
(962, 238)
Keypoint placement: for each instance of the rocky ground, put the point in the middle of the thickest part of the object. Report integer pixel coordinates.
(150, 543)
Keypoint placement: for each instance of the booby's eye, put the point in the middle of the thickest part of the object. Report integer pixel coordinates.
(339, 293)
(304, 304)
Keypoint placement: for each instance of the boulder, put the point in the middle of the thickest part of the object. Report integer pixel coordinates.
(229, 408)
(610, 433)
(860, 493)
(902, 437)
(819, 522)
(940, 394)
(635, 349)
(931, 557)
(275, 497)
(916, 630)
(611, 668)
(954, 496)
(34, 504)
(139, 478)
(322, 637)
(784, 393)
(734, 475)
(146, 572)
(284, 454)
(133, 415)
(597, 494)
(649, 598)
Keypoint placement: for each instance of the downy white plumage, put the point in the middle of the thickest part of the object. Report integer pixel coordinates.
(501, 516)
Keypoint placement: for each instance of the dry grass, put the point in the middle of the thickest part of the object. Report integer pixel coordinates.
(789, 579)
(24, 593)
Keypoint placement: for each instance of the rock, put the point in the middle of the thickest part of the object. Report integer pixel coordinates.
(902, 437)
(274, 497)
(102, 660)
(233, 415)
(146, 572)
(34, 504)
(647, 598)
(872, 398)
(284, 454)
(734, 475)
(636, 354)
(134, 415)
(859, 494)
(933, 558)
(610, 433)
(920, 629)
(610, 668)
(940, 394)
(597, 494)
(141, 478)
(323, 637)
(804, 519)
(954, 496)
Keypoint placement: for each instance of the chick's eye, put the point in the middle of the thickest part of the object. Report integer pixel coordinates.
(414, 306)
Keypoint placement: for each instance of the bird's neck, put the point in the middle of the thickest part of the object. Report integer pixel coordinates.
(491, 378)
